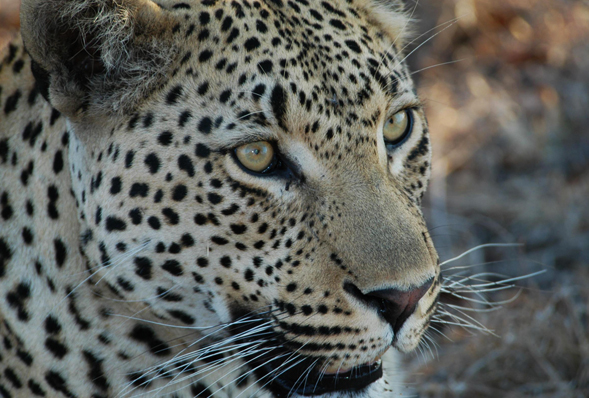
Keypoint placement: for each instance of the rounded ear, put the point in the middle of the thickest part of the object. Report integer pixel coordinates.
(391, 16)
(98, 56)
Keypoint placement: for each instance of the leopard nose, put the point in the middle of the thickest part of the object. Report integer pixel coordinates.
(394, 305)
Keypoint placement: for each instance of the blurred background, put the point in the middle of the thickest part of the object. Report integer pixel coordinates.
(506, 87)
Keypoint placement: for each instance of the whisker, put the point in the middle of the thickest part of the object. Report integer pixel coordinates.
(479, 247)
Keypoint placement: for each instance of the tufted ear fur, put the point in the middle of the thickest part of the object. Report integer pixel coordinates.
(391, 16)
(98, 56)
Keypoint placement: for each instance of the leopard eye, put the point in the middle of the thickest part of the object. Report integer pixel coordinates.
(256, 156)
(398, 128)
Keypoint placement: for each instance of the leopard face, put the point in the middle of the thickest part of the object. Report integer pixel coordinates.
(247, 177)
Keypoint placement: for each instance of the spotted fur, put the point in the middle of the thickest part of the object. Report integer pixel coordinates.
(138, 258)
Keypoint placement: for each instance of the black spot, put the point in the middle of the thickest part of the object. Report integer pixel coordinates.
(57, 382)
(200, 390)
(11, 102)
(4, 150)
(291, 287)
(225, 261)
(278, 101)
(167, 296)
(202, 262)
(25, 357)
(95, 372)
(98, 215)
(204, 18)
(249, 275)
(238, 228)
(60, 252)
(12, 378)
(353, 46)
(184, 163)
(200, 219)
(115, 185)
(183, 118)
(143, 267)
(175, 248)
(125, 284)
(336, 23)
(224, 97)
(203, 88)
(258, 92)
(36, 388)
(17, 299)
(56, 347)
(251, 44)
(165, 138)
(171, 216)
(205, 55)
(115, 224)
(129, 159)
(52, 326)
(27, 235)
(230, 210)
(187, 240)
(181, 6)
(265, 67)
(214, 198)
(18, 65)
(219, 240)
(152, 162)
(154, 222)
(148, 120)
(232, 36)
(182, 316)
(202, 151)
(58, 162)
(146, 335)
(307, 309)
(173, 95)
(227, 22)
(205, 125)
(261, 26)
(139, 189)
(159, 195)
(179, 192)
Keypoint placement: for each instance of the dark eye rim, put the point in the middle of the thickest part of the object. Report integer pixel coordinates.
(406, 134)
(275, 165)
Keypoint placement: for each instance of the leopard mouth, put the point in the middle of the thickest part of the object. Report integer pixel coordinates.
(308, 380)
(281, 368)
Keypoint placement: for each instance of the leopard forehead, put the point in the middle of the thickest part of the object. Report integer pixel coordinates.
(144, 209)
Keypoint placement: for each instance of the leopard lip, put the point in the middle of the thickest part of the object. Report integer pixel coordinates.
(314, 382)
(336, 370)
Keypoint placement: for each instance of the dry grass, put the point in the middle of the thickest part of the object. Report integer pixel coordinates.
(510, 126)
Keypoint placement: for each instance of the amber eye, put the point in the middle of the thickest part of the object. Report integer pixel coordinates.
(256, 156)
(397, 128)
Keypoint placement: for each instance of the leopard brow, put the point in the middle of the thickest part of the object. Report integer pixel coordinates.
(242, 138)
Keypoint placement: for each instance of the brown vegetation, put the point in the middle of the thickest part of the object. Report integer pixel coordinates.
(510, 124)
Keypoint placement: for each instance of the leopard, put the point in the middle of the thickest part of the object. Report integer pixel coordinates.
(212, 198)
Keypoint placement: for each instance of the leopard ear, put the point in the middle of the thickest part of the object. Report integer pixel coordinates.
(98, 56)
(392, 17)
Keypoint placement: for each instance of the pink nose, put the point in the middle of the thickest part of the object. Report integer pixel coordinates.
(394, 305)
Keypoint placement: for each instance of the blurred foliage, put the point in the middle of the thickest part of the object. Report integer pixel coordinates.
(506, 87)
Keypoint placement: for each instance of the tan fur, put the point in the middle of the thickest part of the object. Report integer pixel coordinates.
(149, 242)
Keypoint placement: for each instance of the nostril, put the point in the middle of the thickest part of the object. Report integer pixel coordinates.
(394, 305)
